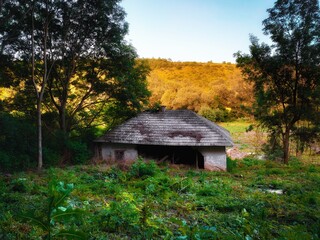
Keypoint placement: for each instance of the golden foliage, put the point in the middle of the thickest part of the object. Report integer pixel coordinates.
(193, 85)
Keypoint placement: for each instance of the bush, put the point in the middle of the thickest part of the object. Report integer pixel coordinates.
(20, 185)
(5, 161)
(121, 215)
(215, 115)
(231, 164)
(141, 168)
(273, 148)
(249, 161)
(79, 152)
(50, 157)
(17, 143)
(55, 218)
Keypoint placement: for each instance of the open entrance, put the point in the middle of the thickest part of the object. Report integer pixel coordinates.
(173, 154)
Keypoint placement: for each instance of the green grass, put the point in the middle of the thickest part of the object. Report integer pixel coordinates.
(148, 202)
(236, 126)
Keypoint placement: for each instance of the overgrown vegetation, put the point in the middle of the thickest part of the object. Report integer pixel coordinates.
(55, 213)
(68, 72)
(149, 202)
(18, 149)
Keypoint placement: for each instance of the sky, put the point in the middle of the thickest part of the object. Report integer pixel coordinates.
(194, 30)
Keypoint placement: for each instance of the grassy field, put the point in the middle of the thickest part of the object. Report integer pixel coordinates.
(237, 126)
(246, 135)
(145, 201)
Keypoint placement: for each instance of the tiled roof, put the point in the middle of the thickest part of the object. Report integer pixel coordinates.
(170, 127)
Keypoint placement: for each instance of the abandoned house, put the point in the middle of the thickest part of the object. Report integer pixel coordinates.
(178, 136)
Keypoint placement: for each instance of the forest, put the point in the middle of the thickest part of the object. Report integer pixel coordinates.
(66, 78)
(217, 91)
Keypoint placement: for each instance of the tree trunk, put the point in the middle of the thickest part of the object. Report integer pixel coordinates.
(39, 97)
(286, 140)
(62, 117)
(64, 128)
(39, 125)
(43, 85)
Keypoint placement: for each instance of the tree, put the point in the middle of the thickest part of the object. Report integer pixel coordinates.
(90, 49)
(39, 86)
(286, 75)
(74, 55)
(24, 40)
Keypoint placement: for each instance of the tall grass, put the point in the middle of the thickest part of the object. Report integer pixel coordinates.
(149, 202)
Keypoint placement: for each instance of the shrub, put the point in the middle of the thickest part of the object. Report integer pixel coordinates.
(231, 164)
(193, 231)
(214, 188)
(79, 151)
(17, 143)
(20, 185)
(141, 168)
(6, 164)
(50, 157)
(312, 169)
(273, 149)
(121, 215)
(249, 161)
(215, 115)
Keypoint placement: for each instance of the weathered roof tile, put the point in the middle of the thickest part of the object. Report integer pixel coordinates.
(171, 127)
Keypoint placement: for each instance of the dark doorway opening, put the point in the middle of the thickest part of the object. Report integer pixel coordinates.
(173, 154)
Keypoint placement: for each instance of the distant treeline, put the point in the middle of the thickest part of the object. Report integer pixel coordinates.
(216, 90)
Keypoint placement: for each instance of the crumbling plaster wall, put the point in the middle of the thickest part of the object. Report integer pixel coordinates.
(215, 158)
(109, 152)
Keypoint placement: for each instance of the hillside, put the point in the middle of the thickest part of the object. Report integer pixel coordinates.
(198, 86)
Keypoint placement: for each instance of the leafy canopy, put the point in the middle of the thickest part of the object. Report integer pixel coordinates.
(286, 75)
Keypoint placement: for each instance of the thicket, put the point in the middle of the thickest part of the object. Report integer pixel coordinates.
(18, 145)
(148, 202)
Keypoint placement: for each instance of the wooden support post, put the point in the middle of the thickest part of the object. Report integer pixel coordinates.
(197, 164)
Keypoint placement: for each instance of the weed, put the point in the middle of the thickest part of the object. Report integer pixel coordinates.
(312, 169)
(193, 231)
(55, 212)
(122, 214)
(20, 185)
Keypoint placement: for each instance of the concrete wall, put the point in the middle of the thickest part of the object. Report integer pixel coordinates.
(215, 158)
(111, 152)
